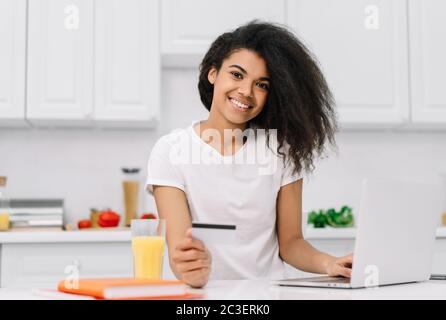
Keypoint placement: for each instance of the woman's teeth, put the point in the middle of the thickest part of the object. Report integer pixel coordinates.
(239, 104)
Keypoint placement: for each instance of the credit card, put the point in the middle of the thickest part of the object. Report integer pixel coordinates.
(215, 234)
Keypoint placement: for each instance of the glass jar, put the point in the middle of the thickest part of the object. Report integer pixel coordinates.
(130, 185)
(94, 217)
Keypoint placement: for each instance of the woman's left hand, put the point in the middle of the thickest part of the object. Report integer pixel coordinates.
(340, 266)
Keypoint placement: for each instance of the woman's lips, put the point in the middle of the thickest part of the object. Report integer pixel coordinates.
(239, 106)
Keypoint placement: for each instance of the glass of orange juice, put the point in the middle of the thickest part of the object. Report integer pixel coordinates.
(148, 242)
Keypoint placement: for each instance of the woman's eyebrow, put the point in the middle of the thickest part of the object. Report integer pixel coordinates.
(245, 72)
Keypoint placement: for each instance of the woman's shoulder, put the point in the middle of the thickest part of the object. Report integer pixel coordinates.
(173, 137)
(169, 140)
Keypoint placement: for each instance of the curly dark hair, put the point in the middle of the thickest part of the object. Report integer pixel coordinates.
(299, 105)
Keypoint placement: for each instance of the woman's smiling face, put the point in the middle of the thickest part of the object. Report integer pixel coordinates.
(240, 86)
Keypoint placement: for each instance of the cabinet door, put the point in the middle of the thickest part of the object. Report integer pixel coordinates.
(190, 26)
(428, 64)
(60, 55)
(127, 62)
(38, 264)
(362, 49)
(12, 62)
(25, 265)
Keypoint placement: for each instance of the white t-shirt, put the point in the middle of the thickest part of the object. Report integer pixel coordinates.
(240, 189)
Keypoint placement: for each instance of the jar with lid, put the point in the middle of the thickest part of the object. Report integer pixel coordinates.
(130, 185)
(94, 217)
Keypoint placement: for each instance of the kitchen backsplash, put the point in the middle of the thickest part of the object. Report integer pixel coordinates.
(83, 166)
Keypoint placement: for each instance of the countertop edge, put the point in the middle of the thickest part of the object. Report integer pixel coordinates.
(347, 233)
(64, 236)
(124, 235)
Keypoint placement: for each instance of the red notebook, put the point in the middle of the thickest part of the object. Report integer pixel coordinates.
(129, 288)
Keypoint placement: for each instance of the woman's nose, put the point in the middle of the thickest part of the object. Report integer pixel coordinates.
(246, 90)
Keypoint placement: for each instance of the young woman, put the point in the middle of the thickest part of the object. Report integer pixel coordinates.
(261, 81)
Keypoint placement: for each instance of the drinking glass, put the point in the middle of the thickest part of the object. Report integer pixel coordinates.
(148, 242)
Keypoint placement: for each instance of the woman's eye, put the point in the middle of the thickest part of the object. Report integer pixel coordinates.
(236, 74)
(263, 85)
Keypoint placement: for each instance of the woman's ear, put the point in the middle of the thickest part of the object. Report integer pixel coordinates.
(212, 75)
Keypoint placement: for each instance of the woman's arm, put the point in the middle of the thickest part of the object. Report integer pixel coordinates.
(296, 251)
(189, 259)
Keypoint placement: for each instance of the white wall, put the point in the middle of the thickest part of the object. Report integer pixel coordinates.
(83, 165)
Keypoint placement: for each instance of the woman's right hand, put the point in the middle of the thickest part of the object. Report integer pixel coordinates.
(192, 261)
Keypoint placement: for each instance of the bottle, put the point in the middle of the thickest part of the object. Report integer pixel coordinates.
(94, 217)
(130, 187)
(5, 209)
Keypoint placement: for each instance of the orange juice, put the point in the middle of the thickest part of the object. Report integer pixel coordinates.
(148, 252)
(4, 221)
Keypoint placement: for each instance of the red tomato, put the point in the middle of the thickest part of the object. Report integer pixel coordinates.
(108, 219)
(83, 224)
(148, 216)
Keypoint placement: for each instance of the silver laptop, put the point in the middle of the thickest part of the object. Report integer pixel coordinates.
(395, 236)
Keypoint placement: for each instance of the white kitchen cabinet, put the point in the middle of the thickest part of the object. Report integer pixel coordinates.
(39, 264)
(189, 26)
(127, 62)
(363, 52)
(42, 259)
(427, 62)
(12, 62)
(93, 62)
(60, 61)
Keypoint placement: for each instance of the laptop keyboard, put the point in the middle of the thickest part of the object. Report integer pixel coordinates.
(335, 280)
(327, 279)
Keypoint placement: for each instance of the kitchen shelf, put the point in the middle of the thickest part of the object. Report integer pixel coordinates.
(329, 233)
(346, 233)
(125, 236)
(65, 236)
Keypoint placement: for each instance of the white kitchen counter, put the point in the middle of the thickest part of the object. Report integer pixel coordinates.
(347, 233)
(30, 259)
(64, 236)
(262, 290)
(124, 235)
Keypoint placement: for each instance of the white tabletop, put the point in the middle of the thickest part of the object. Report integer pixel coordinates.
(262, 290)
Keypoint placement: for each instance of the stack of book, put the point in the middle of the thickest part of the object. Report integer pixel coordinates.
(36, 214)
(123, 289)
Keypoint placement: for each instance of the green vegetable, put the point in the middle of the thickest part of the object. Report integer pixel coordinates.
(319, 219)
(342, 218)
